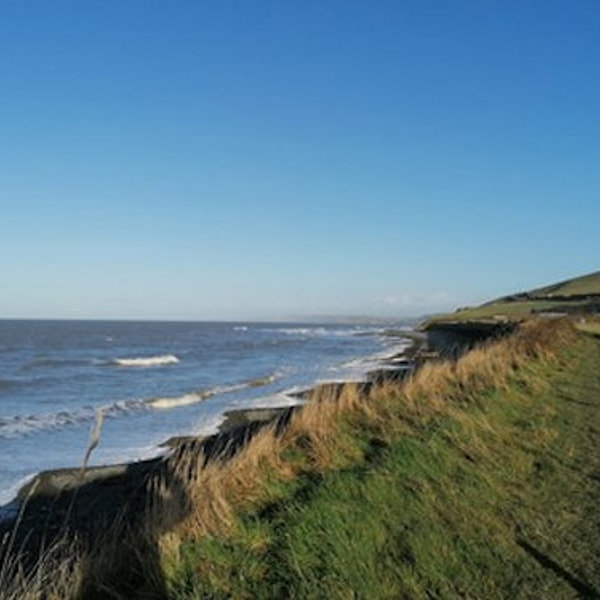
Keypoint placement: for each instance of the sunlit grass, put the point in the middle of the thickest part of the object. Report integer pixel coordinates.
(471, 464)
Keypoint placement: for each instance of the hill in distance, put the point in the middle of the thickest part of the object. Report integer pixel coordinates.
(579, 295)
(586, 285)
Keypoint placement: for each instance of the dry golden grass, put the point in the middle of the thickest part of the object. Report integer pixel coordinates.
(216, 489)
(487, 366)
(55, 576)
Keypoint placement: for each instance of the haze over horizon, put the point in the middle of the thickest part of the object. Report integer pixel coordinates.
(271, 160)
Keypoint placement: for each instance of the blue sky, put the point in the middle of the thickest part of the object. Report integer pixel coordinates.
(255, 159)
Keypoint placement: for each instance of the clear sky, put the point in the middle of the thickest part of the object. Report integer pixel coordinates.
(257, 159)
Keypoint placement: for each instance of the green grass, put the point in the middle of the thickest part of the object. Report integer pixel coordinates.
(509, 310)
(587, 284)
(540, 299)
(496, 499)
(589, 325)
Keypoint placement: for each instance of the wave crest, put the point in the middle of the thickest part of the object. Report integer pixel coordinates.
(199, 396)
(20, 425)
(176, 401)
(148, 361)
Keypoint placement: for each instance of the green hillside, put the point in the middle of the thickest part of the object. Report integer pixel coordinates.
(587, 284)
(580, 295)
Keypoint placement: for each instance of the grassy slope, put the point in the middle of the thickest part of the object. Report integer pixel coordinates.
(589, 325)
(541, 300)
(587, 284)
(510, 310)
(492, 498)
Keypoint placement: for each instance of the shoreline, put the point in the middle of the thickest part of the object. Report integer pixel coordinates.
(238, 425)
(153, 495)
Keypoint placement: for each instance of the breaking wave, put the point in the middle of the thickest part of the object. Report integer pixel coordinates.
(321, 331)
(148, 361)
(389, 358)
(199, 396)
(20, 425)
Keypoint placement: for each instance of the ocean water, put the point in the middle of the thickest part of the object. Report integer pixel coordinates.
(154, 380)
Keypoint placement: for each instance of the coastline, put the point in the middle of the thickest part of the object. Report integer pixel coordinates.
(45, 491)
(133, 505)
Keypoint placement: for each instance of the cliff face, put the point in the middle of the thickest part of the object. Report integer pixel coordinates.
(451, 340)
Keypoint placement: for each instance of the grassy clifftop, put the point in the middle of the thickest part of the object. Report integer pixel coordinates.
(478, 480)
(578, 286)
(577, 295)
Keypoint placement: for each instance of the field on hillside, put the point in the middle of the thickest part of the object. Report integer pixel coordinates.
(521, 306)
(587, 284)
(508, 310)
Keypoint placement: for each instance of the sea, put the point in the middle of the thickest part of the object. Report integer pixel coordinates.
(155, 380)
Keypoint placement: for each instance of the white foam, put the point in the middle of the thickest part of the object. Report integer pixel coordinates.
(211, 426)
(320, 331)
(288, 397)
(174, 402)
(10, 510)
(195, 397)
(149, 361)
(20, 425)
(110, 456)
(8, 497)
(368, 362)
(357, 369)
(304, 331)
